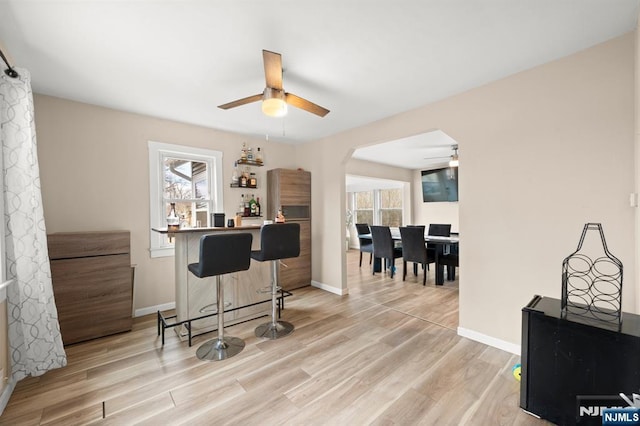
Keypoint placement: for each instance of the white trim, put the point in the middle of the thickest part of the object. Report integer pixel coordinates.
(158, 245)
(6, 394)
(153, 309)
(162, 252)
(329, 288)
(488, 340)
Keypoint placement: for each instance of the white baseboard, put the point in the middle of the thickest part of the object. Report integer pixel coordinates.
(6, 394)
(153, 309)
(488, 340)
(330, 289)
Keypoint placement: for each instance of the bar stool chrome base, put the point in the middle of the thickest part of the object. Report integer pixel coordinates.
(217, 350)
(273, 331)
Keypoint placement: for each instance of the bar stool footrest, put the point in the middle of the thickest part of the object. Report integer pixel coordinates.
(163, 322)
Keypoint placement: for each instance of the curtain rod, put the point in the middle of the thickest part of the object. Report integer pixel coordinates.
(9, 71)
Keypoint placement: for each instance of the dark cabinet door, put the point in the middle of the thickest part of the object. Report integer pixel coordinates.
(568, 364)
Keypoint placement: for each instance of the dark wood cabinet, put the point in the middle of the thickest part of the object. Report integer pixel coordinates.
(572, 366)
(291, 191)
(92, 283)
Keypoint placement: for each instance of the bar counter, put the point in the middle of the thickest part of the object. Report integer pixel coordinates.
(196, 297)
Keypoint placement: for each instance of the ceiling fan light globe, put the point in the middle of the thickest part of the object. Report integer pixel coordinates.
(274, 107)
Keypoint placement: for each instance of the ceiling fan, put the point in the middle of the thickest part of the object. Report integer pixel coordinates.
(453, 159)
(274, 98)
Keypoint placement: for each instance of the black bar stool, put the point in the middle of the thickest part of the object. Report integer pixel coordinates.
(222, 254)
(277, 241)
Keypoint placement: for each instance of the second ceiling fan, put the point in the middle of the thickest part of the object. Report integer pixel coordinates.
(274, 98)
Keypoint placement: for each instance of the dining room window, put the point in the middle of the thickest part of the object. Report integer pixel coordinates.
(379, 207)
(363, 207)
(390, 210)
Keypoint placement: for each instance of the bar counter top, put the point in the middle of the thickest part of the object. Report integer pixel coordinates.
(213, 229)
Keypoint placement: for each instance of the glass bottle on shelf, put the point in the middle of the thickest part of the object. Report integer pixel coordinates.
(243, 152)
(247, 208)
(250, 155)
(173, 221)
(259, 159)
(252, 205)
(234, 177)
(258, 208)
(243, 180)
(241, 206)
(253, 182)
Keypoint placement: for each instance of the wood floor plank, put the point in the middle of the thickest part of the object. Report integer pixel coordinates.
(385, 354)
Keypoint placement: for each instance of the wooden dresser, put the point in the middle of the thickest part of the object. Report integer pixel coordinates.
(92, 283)
(291, 191)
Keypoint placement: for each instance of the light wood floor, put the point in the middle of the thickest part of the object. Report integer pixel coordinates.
(386, 354)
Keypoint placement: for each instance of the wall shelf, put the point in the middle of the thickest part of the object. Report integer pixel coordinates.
(237, 185)
(249, 163)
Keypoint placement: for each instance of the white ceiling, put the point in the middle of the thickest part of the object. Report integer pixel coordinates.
(423, 151)
(362, 60)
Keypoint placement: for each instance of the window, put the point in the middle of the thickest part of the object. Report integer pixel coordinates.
(379, 207)
(363, 207)
(390, 207)
(189, 177)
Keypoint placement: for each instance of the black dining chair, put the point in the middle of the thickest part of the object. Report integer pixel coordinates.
(438, 250)
(451, 260)
(366, 244)
(384, 248)
(414, 250)
(438, 230)
(415, 265)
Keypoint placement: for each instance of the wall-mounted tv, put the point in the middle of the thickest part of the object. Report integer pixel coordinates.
(440, 185)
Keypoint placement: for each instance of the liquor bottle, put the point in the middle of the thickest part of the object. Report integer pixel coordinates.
(243, 152)
(241, 207)
(173, 221)
(247, 207)
(252, 205)
(259, 158)
(250, 155)
(253, 182)
(243, 180)
(234, 176)
(258, 208)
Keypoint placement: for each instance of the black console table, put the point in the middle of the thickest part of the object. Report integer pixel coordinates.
(569, 362)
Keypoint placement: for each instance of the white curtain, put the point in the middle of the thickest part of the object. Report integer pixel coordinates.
(35, 343)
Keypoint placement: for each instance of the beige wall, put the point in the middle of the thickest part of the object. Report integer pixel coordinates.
(542, 152)
(95, 176)
(377, 170)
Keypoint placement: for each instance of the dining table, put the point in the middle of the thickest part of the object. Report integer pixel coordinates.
(441, 245)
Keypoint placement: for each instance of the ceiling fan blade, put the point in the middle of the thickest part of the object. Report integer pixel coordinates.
(242, 101)
(304, 104)
(272, 69)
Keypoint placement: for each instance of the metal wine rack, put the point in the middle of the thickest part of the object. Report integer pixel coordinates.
(592, 282)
